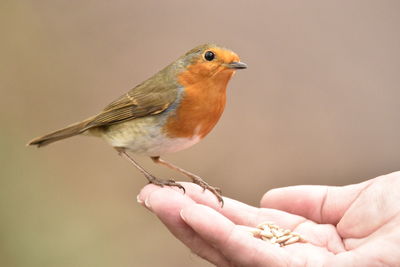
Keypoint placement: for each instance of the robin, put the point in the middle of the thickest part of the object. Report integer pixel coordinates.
(169, 112)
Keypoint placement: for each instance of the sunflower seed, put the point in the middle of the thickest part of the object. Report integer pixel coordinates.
(292, 240)
(283, 239)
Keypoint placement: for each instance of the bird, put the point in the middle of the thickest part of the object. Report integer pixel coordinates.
(171, 111)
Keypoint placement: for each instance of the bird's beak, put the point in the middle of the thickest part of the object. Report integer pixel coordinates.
(237, 65)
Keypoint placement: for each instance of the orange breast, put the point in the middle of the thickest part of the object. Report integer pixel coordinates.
(201, 106)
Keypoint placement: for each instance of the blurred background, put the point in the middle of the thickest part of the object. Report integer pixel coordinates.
(319, 104)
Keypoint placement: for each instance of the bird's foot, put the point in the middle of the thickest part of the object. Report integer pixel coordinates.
(215, 190)
(161, 182)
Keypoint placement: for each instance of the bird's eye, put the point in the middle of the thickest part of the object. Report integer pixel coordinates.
(209, 55)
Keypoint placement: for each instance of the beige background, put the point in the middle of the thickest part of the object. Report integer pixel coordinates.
(319, 104)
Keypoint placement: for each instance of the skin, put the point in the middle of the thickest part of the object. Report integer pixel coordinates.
(354, 225)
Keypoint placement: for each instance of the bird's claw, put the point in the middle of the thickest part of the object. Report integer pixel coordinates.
(169, 182)
(215, 190)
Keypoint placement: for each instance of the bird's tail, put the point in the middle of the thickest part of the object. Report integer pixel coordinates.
(71, 130)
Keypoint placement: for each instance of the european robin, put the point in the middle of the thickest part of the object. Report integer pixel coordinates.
(170, 111)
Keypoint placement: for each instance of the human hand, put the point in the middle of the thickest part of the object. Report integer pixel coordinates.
(354, 225)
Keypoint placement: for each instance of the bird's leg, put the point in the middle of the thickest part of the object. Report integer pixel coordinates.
(195, 179)
(151, 178)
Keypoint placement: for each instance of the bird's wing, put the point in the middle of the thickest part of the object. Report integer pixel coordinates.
(149, 98)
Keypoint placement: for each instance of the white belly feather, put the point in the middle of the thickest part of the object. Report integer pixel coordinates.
(145, 136)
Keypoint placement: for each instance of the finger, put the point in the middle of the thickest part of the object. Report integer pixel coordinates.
(167, 203)
(322, 204)
(236, 211)
(241, 213)
(148, 189)
(233, 242)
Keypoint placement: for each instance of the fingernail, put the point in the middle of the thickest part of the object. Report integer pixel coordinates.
(138, 199)
(147, 203)
(182, 216)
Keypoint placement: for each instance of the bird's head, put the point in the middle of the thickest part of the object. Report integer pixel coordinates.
(209, 61)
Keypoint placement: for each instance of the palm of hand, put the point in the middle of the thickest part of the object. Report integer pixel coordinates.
(354, 225)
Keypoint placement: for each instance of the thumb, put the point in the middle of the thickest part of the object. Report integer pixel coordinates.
(321, 204)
